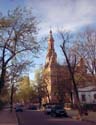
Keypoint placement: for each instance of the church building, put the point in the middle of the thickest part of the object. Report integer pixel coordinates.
(57, 73)
(59, 84)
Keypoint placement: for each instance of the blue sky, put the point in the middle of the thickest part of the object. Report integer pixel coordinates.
(6, 5)
(65, 14)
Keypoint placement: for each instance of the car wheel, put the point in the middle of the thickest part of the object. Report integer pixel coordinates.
(53, 115)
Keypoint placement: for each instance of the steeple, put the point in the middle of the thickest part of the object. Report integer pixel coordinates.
(50, 41)
(50, 36)
(51, 57)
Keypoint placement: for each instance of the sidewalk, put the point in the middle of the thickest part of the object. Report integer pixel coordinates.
(91, 117)
(8, 118)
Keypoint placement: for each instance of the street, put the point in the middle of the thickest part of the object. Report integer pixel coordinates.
(39, 118)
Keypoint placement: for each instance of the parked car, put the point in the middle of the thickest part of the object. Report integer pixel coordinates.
(18, 109)
(32, 107)
(48, 109)
(58, 111)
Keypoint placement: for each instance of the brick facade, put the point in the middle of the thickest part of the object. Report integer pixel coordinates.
(59, 74)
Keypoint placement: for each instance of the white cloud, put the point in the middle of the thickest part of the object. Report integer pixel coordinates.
(69, 14)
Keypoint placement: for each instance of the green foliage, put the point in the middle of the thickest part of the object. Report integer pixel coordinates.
(41, 85)
(26, 91)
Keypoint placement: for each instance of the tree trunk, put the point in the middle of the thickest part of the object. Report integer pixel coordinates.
(40, 102)
(11, 98)
(73, 80)
(71, 96)
(2, 78)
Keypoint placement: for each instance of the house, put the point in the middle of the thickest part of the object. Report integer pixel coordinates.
(87, 95)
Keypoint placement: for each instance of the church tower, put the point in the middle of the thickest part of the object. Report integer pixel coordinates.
(51, 66)
(56, 74)
(51, 57)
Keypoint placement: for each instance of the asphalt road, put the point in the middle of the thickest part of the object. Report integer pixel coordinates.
(39, 118)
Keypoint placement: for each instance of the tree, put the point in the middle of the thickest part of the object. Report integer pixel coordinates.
(85, 48)
(5, 94)
(41, 85)
(17, 40)
(24, 90)
(66, 37)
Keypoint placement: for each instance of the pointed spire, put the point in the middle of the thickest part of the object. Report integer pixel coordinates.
(51, 56)
(51, 36)
(50, 32)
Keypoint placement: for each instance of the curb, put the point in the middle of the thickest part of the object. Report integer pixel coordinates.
(81, 119)
(89, 121)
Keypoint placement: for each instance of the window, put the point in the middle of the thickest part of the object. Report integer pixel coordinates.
(95, 96)
(83, 97)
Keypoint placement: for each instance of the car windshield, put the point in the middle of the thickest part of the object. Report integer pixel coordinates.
(48, 106)
(59, 107)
